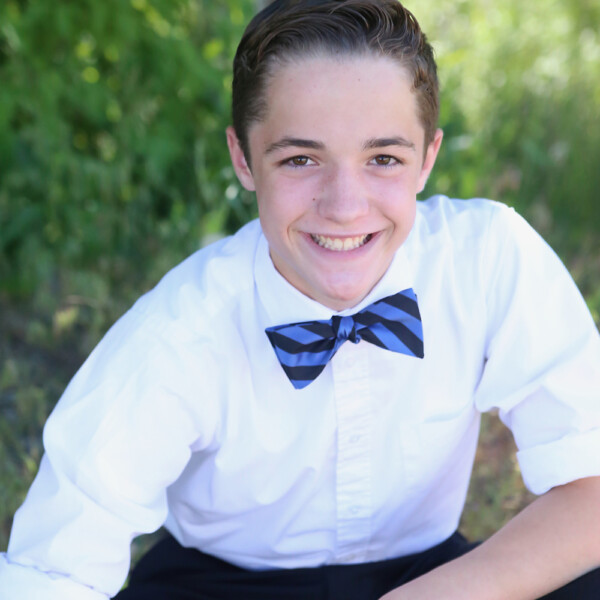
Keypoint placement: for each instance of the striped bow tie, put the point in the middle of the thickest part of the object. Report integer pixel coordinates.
(304, 349)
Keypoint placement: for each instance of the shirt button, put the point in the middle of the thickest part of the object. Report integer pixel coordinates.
(354, 510)
(354, 439)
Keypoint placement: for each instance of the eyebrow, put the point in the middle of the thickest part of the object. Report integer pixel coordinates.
(370, 144)
(288, 142)
(391, 141)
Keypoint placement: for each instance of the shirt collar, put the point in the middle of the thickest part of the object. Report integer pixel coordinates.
(283, 303)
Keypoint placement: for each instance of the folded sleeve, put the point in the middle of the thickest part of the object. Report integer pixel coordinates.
(542, 364)
(119, 436)
(19, 581)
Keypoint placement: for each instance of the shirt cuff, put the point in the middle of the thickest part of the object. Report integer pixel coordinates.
(573, 457)
(18, 582)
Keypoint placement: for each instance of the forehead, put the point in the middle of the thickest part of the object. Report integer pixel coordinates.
(340, 97)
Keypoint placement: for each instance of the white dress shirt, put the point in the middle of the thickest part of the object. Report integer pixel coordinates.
(183, 416)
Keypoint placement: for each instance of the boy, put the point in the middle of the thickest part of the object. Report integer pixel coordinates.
(285, 461)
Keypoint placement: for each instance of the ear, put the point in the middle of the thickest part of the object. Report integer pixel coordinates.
(238, 160)
(430, 156)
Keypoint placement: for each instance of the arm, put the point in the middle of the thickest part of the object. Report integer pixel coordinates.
(553, 541)
(541, 374)
(119, 436)
(18, 581)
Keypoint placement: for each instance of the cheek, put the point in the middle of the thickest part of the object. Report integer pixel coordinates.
(401, 209)
(281, 203)
(398, 198)
(277, 216)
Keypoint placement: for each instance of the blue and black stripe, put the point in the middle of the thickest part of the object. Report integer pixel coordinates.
(304, 349)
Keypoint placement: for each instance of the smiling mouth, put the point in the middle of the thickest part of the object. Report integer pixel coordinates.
(341, 244)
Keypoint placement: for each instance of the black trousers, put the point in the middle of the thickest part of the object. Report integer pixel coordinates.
(170, 572)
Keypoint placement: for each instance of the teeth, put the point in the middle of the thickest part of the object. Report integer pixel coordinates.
(339, 244)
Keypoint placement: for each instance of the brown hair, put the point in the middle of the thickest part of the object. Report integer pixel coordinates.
(288, 29)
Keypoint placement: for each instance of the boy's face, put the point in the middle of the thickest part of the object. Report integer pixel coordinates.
(336, 166)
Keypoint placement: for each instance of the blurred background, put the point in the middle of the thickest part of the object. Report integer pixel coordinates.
(114, 167)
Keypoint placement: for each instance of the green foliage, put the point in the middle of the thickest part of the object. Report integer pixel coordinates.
(112, 152)
(521, 87)
(112, 146)
(496, 491)
(24, 409)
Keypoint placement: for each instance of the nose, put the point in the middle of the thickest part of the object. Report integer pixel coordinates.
(343, 197)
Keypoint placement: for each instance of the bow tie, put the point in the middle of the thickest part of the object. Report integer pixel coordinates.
(304, 349)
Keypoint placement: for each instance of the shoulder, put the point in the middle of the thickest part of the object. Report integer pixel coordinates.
(169, 343)
(479, 251)
(440, 219)
(209, 281)
(476, 229)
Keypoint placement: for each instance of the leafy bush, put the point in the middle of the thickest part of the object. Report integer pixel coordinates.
(113, 158)
(521, 87)
(112, 148)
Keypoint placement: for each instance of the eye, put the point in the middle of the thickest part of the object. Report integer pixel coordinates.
(300, 161)
(385, 160)
(297, 161)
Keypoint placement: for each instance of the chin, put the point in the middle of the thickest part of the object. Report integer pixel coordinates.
(341, 299)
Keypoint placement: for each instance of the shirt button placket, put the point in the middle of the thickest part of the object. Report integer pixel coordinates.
(353, 466)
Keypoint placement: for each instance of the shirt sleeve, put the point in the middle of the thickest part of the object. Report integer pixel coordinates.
(119, 436)
(19, 581)
(542, 369)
